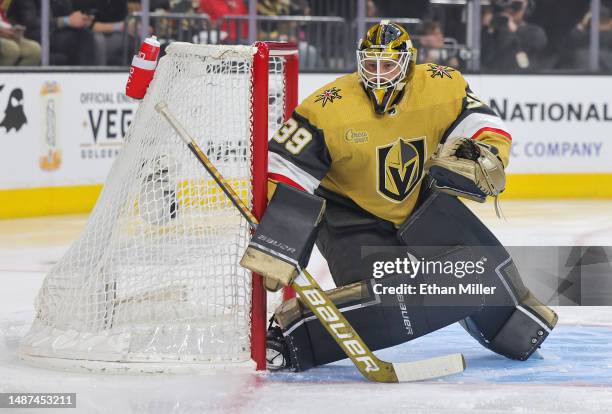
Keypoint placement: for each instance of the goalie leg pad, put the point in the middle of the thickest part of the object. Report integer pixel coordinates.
(515, 327)
(285, 237)
(381, 321)
(389, 319)
(521, 334)
(386, 319)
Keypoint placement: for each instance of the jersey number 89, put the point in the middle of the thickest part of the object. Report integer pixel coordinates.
(294, 138)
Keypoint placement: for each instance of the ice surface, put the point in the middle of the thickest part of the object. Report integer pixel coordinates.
(572, 373)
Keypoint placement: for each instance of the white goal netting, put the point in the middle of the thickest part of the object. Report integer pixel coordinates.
(154, 277)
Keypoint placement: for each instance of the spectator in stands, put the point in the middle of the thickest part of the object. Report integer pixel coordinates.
(282, 31)
(155, 6)
(509, 43)
(431, 47)
(229, 32)
(276, 7)
(580, 40)
(71, 38)
(288, 31)
(135, 6)
(15, 49)
(109, 29)
(372, 9)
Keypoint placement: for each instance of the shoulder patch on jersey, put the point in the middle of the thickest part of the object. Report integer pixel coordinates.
(439, 71)
(328, 95)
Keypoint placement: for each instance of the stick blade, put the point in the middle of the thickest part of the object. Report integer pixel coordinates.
(429, 368)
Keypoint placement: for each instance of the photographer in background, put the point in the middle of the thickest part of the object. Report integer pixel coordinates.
(578, 55)
(15, 49)
(431, 46)
(509, 43)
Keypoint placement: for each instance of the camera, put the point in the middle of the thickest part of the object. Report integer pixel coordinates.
(499, 21)
(501, 7)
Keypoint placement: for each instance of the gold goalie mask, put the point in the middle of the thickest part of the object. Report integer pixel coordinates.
(386, 60)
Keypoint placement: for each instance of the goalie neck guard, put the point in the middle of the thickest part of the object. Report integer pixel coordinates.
(385, 62)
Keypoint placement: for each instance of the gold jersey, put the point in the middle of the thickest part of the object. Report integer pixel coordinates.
(335, 139)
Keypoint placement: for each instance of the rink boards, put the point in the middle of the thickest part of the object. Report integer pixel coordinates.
(61, 132)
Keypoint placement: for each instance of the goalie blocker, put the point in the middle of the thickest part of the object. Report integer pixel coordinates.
(511, 322)
(285, 237)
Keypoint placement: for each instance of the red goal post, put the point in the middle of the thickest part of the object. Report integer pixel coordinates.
(266, 51)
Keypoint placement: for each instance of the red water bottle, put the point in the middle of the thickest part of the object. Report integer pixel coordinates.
(143, 68)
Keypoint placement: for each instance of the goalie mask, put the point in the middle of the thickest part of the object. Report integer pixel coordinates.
(386, 60)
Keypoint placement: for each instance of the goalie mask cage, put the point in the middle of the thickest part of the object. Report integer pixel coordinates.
(153, 283)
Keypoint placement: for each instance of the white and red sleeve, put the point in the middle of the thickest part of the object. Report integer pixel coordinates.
(479, 122)
(300, 158)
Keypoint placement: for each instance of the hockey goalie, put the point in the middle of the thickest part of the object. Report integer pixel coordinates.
(379, 158)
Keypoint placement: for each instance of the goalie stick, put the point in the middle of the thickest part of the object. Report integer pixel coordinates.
(319, 303)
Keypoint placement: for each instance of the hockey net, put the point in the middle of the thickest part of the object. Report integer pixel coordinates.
(153, 282)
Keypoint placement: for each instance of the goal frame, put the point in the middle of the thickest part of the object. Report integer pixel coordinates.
(259, 177)
(258, 82)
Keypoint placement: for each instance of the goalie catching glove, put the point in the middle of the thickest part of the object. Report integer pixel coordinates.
(467, 168)
(284, 239)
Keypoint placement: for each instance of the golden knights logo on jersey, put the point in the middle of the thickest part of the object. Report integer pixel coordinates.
(400, 167)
